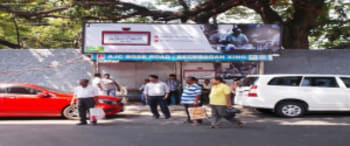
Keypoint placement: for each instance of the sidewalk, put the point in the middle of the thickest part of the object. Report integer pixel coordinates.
(136, 107)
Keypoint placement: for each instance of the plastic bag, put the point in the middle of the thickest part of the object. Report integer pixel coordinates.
(96, 113)
(197, 113)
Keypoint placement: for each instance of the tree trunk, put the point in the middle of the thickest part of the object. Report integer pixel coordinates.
(295, 36)
(17, 32)
(9, 44)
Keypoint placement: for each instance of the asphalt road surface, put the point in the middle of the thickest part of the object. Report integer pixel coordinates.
(137, 128)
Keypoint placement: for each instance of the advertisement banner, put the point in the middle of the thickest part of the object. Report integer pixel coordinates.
(124, 38)
(180, 57)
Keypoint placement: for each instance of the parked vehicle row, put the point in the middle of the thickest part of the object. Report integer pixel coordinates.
(29, 100)
(294, 95)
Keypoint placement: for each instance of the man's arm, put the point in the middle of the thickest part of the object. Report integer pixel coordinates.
(100, 86)
(228, 97)
(145, 93)
(198, 96)
(167, 90)
(117, 85)
(74, 97)
(228, 101)
(72, 101)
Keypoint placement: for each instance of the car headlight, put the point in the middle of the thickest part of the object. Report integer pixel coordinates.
(107, 101)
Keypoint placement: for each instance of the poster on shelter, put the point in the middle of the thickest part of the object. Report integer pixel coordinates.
(181, 38)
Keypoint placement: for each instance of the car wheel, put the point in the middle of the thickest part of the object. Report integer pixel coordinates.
(70, 112)
(264, 111)
(290, 109)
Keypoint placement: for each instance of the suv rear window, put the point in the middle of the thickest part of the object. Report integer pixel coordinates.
(248, 81)
(329, 82)
(346, 82)
(285, 81)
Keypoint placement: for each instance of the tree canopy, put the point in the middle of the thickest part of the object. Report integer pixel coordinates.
(58, 23)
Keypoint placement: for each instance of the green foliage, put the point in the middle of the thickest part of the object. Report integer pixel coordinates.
(63, 28)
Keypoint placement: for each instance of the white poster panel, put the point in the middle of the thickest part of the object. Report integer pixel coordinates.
(180, 38)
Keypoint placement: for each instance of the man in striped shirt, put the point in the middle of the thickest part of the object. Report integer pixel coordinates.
(191, 96)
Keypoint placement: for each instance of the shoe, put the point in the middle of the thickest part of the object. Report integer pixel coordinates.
(156, 117)
(240, 124)
(81, 124)
(168, 117)
(212, 127)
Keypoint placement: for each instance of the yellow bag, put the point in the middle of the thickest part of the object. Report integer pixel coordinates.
(197, 113)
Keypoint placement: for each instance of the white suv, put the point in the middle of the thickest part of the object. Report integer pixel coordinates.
(293, 95)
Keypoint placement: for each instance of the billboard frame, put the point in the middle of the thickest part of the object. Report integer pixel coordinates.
(238, 51)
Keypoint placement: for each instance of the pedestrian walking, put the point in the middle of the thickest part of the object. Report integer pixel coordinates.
(220, 102)
(110, 85)
(191, 97)
(174, 86)
(97, 83)
(205, 92)
(156, 93)
(85, 95)
(141, 89)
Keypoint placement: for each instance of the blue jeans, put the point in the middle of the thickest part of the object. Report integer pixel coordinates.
(143, 99)
(111, 92)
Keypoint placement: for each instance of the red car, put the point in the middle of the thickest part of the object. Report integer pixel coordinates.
(29, 100)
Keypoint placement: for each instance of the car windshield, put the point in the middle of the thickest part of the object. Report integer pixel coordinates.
(54, 90)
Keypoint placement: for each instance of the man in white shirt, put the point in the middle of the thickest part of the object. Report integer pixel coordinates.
(85, 99)
(109, 85)
(97, 83)
(157, 92)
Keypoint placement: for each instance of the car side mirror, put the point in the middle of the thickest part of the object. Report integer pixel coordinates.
(44, 95)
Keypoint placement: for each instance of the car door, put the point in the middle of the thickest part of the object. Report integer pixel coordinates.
(325, 93)
(2, 96)
(346, 82)
(21, 101)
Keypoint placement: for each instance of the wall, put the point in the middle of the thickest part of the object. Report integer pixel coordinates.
(56, 68)
(310, 61)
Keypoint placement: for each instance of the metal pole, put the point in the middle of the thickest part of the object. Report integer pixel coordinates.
(261, 67)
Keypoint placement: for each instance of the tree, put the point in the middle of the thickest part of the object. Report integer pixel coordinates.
(321, 22)
(302, 20)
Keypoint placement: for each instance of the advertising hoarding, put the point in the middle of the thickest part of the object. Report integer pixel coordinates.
(124, 38)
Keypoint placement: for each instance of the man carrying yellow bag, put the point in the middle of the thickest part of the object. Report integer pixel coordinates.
(190, 99)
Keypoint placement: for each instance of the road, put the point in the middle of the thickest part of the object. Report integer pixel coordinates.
(137, 128)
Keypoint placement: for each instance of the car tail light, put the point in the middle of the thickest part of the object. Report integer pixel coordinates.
(254, 87)
(252, 91)
(252, 95)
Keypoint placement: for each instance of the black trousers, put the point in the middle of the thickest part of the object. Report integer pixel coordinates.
(205, 96)
(84, 104)
(173, 98)
(188, 113)
(154, 101)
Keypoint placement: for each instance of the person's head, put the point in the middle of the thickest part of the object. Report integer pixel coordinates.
(190, 80)
(107, 76)
(153, 78)
(195, 80)
(236, 31)
(98, 75)
(217, 80)
(146, 81)
(236, 83)
(172, 77)
(207, 81)
(84, 82)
